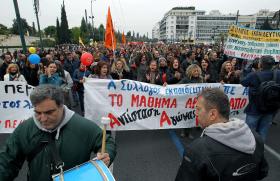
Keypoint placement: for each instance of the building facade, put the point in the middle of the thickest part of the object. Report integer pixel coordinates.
(155, 31)
(186, 24)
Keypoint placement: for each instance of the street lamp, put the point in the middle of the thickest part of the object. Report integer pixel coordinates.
(91, 17)
(36, 8)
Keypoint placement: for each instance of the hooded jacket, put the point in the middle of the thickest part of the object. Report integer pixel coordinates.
(75, 139)
(225, 152)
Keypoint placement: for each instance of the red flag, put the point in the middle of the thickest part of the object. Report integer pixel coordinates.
(110, 39)
(123, 39)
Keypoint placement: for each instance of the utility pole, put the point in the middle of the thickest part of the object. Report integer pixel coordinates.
(278, 21)
(237, 16)
(20, 27)
(86, 17)
(92, 21)
(36, 8)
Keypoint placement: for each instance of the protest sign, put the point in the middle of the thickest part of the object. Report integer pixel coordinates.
(250, 44)
(134, 105)
(131, 105)
(15, 105)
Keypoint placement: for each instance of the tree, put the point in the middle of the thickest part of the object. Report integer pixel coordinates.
(4, 30)
(128, 36)
(64, 29)
(25, 26)
(50, 31)
(75, 31)
(84, 30)
(58, 37)
(101, 31)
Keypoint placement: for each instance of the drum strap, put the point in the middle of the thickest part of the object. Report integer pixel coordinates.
(55, 158)
(104, 177)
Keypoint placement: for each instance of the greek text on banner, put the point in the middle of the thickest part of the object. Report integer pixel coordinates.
(134, 105)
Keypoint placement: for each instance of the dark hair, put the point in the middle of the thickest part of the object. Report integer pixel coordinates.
(100, 64)
(47, 91)
(267, 62)
(255, 63)
(216, 98)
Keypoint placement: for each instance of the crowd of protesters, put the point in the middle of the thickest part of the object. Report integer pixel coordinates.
(161, 64)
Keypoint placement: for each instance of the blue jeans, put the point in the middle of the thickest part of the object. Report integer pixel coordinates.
(260, 123)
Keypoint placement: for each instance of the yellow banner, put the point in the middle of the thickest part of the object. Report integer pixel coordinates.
(256, 35)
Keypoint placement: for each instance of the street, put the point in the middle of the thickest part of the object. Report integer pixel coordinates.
(152, 155)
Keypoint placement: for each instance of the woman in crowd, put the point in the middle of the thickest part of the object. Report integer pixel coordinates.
(228, 75)
(152, 74)
(120, 70)
(174, 73)
(102, 71)
(13, 73)
(141, 62)
(50, 76)
(206, 74)
(163, 67)
(193, 75)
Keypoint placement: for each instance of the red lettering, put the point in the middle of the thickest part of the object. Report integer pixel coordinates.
(191, 102)
(164, 118)
(174, 103)
(165, 102)
(112, 98)
(158, 103)
(8, 124)
(114, 120)
(134, 100)
(143, 101)
(237, 103)
(151, 101)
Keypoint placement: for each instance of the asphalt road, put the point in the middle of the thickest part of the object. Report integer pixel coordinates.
(152, 155)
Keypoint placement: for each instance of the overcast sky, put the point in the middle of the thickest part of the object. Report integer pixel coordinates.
(137, 15)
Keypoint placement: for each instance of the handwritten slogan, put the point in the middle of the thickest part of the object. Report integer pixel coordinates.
(133, 105)
(15, 105)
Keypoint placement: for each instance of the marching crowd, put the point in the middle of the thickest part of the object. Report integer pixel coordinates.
(161, 64)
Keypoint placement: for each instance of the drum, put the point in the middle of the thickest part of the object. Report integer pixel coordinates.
(94, 170)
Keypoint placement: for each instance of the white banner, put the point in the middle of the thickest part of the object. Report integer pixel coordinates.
(134, 105)
(249, 43)
(15, 105)
(250, 49)
(131, 105)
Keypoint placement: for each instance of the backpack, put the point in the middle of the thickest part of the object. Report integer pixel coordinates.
(268, 94)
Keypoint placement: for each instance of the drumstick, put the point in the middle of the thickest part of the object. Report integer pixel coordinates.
(104, 121)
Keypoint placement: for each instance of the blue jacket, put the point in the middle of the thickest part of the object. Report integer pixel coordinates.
(77, 76)
(252, 81)
(55, 79)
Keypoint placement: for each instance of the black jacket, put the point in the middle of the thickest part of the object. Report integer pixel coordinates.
(208, 160)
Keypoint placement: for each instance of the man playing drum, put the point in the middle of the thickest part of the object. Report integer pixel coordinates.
(53, 128)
